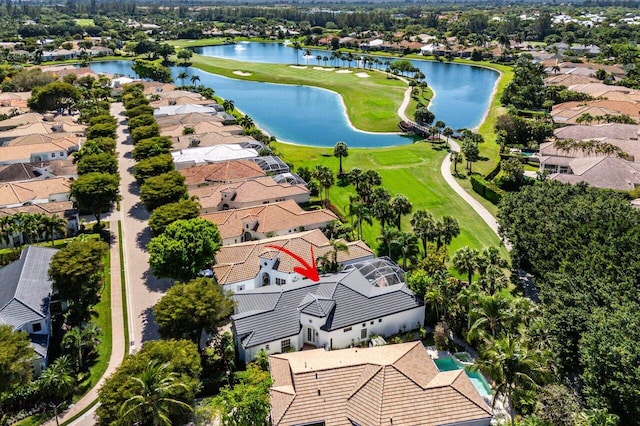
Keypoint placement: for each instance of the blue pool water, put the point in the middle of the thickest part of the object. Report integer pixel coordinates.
(478, 381)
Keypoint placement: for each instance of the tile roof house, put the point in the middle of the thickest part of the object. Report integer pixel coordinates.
(173, 110)
(223, 172)
(218, 137)
(608, 130)
(43, 128)
(569, 112)
(248, 193)
(14, 194)
(601, 172)
(211, 154)
(63, 209)
(339, 310)
(251, 264)
(397, 385)
(270, 220)
(175, 130)
(56, 149)
(570, 80)
(25, 291)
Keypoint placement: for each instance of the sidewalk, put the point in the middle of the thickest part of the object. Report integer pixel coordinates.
(117, 338)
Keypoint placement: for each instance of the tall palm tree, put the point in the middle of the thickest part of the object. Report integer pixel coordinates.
(465, 260)
(359, 212)
(491, 314)
(380, 205)
(296, 45)
(53, 225)
(408, 244)
(194, 79)
(183, 76)
(154, 399)
(7, 229)
(340, 150)
(512, 366)
(401, 206)
(246, 122)
(468, 297)
(424, 227)
(325, 178)
(58, 381)
(337, 246)
(386, 236)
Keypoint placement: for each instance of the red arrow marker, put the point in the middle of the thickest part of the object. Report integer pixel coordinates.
(309, 271)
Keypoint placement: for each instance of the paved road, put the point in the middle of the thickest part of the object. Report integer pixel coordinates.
(143, 289)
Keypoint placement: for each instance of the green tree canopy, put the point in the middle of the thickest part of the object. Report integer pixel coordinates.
(104, 162)
(153, 166)
(95, 192)
(190, 308)
(141, 120)
(163, 189)
(164, 215)
(16, 359)
(77, 274)
(185, 248)
(149, 147)
(183, 359)
(57, 96)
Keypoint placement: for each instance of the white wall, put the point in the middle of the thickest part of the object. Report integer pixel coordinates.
(391, 324)
(248, 354)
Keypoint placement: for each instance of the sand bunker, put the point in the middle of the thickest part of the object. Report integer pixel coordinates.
(363, 75)
(344, 71)
(242, 73)
(298, 67)
(323, 69)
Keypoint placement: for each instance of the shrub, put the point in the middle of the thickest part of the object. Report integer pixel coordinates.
(487, 190)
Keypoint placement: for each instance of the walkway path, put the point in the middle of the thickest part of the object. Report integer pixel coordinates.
(445, 170)
(117, 339)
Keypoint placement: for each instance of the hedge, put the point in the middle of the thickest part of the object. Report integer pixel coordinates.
(487, 190)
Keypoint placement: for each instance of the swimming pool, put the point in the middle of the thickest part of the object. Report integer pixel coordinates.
(479, 382)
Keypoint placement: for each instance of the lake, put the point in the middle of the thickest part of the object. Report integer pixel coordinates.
(463, 92)
(317, 117)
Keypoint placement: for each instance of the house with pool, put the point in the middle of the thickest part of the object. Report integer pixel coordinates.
(395, 385)
(344, 309)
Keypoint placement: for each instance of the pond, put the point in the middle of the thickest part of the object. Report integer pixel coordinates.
(463, 92)
(298, 114)
(317, 117)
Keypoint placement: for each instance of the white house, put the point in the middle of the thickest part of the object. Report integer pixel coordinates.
(211, 154)
(341, 310)
(252, 264)
(25, 291)
(184, 109)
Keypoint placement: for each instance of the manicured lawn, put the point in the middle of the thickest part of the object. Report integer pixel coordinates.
(85, 22)
(102, 319)
(372, 103)
(413, 170)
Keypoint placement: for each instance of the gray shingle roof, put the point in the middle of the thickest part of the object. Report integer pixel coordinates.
(271, 313)
(25, 287)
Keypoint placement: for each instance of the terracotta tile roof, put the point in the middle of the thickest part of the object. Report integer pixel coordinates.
(264, 219)
(225, 171)
(181, 100)
(40, 138)
(570, 80)
(41, 128)
(16, 172)
(177, 129)
(21, 192)
(609, 130)
(240, 262)
(15, 153)
(371, 386)
(189, 118)
(60, 208)
(602, 172)
(218, 137)
(251, 192)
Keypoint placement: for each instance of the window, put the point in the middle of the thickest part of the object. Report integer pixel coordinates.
(364, 324)
(285, 345)
(380, 320)
(37, 327)
(266, 347)
(53, 155)
(347, 329)
(363, 333)
(241, 287)
(280, 281)
(371, 322)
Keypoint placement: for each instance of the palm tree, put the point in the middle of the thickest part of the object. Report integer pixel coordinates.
(58, 381)
(465, 260)
(228, 105)
(325, 58)
(424, 227)
(296, 46)
(318, 58)
(356, 177)
(490, 314)
(194, 78)
(325, 178)
(456, 158)
(555, 69)
(401, 206)
(53, 225)
(154, 398)
(246, 122)
(468, 297)
(182, 76)
(340, 150)
(7, 229)
(329, 260)
(386, 236)
(82, 342)
(447, 229)
(408, 244)
(440, 125)
(512, 366)
(361, 212)
(379, 200)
